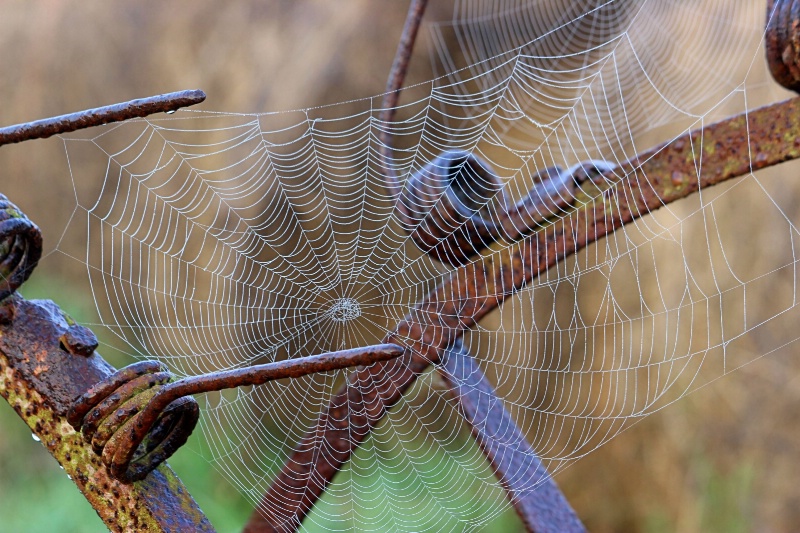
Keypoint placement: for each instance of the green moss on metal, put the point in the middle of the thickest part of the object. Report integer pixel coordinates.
(107, 497)
(70, 321)
(175, 485)
(13, 213)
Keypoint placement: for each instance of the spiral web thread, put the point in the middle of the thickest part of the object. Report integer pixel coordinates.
(222, 240)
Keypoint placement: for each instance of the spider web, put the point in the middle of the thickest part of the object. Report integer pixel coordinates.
(223, 240)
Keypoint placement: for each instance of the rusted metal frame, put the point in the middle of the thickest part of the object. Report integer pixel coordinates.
(699, 159)
(533, 493)
(41, 129)
(138, 417)
(46, 360)
(40, 378)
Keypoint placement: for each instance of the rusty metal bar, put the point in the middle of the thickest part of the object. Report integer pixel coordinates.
(402, 57)
(46, 361)
(289, 368)
(40, 379)
(89, 118)
(533, 493)
(699, 159)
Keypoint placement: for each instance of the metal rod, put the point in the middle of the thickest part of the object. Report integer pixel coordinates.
(402, 57)
(289, 368)
(666, 173)
(141, 403)
(394, 85)
(533, 493)
(41, 129)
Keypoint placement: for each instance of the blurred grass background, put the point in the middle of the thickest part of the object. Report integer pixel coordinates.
(723, 459)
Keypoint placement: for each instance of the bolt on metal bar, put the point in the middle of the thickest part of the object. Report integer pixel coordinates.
(664, 174)
(41, 129)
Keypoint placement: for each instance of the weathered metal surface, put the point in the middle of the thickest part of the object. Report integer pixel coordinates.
(20, 247)
(138, 417)
(533, 493)
(39, 379)
(666, 173)
(46, 361)
(89, 118)
(109, 408)
(79, 340)
(783, 42)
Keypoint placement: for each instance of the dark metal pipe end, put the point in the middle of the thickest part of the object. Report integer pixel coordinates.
(20, 247)
(783, 42)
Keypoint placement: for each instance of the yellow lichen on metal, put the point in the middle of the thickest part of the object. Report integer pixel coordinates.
(111, 500)
(159, 503)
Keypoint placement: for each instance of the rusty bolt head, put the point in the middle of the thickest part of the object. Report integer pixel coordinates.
(79, 340)
(7, 309)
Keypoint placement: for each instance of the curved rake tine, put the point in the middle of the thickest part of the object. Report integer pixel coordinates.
(139, 416)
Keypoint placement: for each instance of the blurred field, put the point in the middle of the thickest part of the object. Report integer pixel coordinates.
(725, 458)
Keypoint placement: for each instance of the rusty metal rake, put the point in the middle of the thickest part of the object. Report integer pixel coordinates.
(111, 431)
